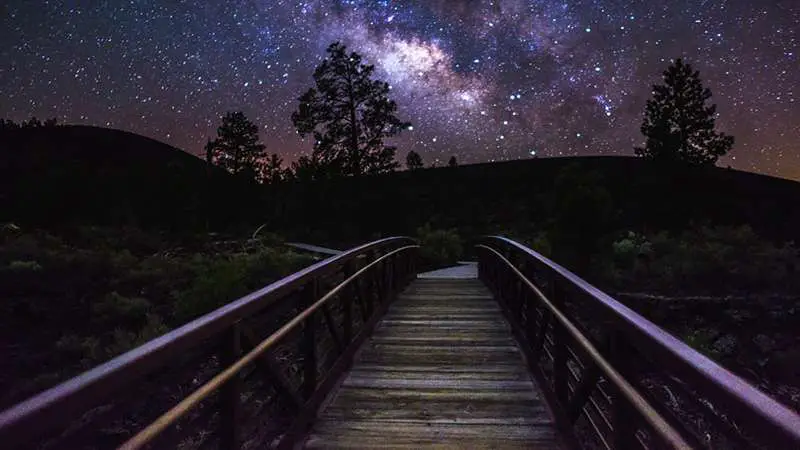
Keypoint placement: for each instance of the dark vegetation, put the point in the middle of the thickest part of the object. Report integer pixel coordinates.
(237, 148)
(414, 161)
(81, 295)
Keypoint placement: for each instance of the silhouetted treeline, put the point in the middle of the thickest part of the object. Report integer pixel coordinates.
(33, 122)
(529, 195)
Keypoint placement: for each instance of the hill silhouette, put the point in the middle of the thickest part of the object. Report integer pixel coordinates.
(80, 174)
(84, 174)
(521, 196)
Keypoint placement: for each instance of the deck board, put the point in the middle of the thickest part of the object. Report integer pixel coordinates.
(441, 370)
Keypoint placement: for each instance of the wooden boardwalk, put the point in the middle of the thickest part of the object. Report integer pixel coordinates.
(441, 370)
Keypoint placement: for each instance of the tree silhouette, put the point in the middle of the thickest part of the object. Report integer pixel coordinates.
(237, 148)
(309, 168)
(8, 124)
(452, 162)
(413, 160)
(349, 114)
(678, 126)
(33, 122)
(273, 170)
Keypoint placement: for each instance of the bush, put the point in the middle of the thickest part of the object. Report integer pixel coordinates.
(541, 243)
(125, 340)
(221, 279)
(214, 284)
(438, 248)
(705, 259)
(117, 308)
(24, 266)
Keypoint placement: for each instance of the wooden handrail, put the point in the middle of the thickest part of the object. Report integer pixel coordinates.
(771, 421)
(667, 432)
(58, 406)
(173, 415)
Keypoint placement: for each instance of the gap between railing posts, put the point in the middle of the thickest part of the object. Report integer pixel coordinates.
(229, 393)
(347, 304)
(308, 342)
(624, 421)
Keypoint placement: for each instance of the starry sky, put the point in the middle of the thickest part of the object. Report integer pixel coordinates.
(482, 80)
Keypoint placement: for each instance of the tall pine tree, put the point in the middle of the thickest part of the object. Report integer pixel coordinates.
(349, 114)
(678, 126)
(237, 148)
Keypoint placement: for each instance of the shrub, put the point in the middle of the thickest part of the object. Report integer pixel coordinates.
(23, 266)
(85, 349)
(704, 259)
(214, 284)
(438, 247)
(117, 308)
(124, 340)
(541, 243)
(220, 279)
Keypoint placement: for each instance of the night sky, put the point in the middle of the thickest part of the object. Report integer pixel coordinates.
(483, 80)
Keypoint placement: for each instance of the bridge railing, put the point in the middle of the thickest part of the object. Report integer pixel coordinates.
(615, 379)
(251, 373)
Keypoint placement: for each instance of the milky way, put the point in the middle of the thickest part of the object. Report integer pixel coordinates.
(482, 80)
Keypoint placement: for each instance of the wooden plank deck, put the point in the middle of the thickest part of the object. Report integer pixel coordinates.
(441, 370)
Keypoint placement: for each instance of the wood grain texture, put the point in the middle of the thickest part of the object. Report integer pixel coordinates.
(441, 370)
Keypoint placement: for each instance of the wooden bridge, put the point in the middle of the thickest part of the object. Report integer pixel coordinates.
(356, 351)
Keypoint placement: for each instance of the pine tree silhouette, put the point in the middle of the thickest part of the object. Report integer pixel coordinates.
(237, 148)
(678, 126)
(452, 162)
(349, 114)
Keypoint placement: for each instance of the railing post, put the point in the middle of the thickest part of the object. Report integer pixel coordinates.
(309, 344)
(347, 304)
(230, 352)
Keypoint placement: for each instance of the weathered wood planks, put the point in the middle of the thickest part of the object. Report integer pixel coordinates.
(440, 371)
